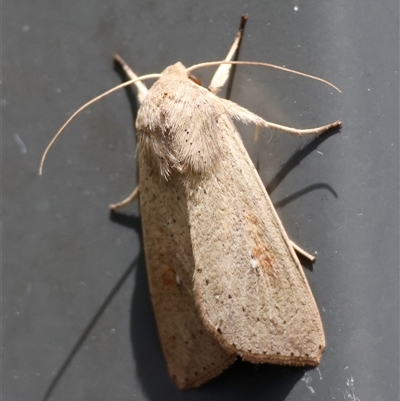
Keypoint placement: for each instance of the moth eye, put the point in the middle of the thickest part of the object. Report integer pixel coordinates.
(195, 79)
(219, 330)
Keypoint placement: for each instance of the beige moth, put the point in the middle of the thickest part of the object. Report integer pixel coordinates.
(225, 280)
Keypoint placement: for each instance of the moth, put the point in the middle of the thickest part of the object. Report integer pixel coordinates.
(224, 277)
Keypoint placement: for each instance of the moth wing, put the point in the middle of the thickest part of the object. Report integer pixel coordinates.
(192, 354)
(250, 287)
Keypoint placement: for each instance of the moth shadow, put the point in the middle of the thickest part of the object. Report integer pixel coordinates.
(302, 192)
(245, 381)
(295, 160)
(94, 320)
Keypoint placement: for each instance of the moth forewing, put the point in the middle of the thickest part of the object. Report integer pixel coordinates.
(192, 354)
(249, 285)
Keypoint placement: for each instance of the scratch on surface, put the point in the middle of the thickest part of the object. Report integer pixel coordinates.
(348, 393)
(350, 384)
(310, 388)
(21, 144)
(307, 380)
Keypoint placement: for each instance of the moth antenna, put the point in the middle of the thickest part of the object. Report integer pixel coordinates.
(256, 63)
(127, 83)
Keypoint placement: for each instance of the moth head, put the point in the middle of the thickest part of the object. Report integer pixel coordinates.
(179, 124)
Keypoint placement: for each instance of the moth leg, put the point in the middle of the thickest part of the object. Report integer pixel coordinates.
(240, 113)
(310, 131)
(126, 201)
(140, 86)
(302, 252)
(222, 74)
(142, 93)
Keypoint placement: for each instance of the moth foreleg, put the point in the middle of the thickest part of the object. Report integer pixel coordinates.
(240, 113)
(142, 93)
(140, 86)
(222, 74)
(310, 131)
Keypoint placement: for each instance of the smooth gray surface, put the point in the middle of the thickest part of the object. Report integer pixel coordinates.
(76, 320)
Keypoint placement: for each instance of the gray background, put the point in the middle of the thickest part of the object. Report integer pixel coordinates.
(77, 322)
